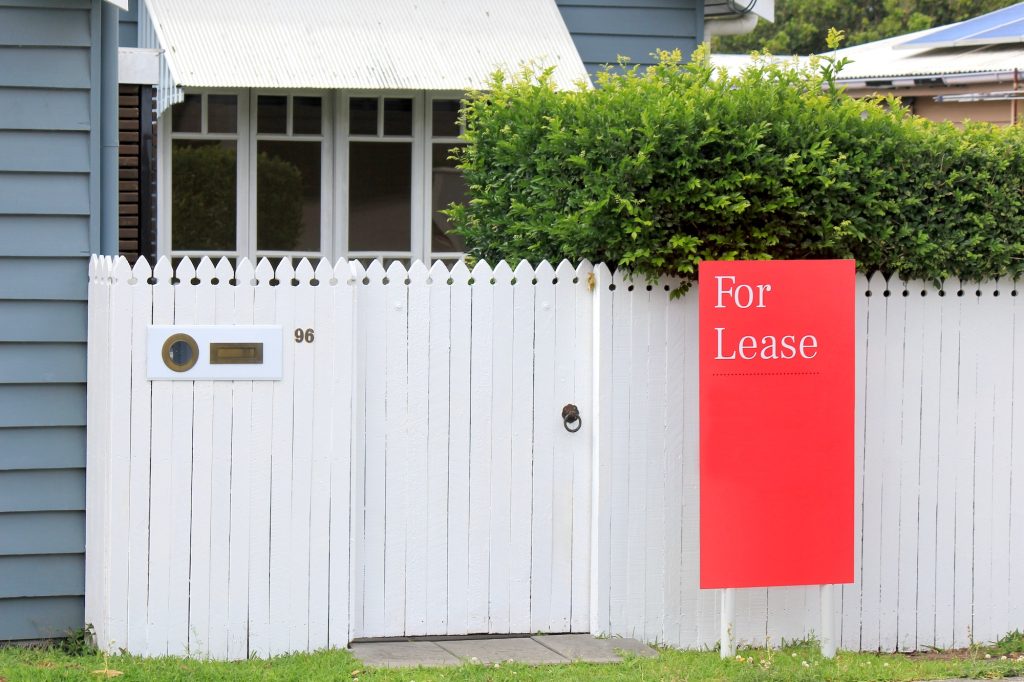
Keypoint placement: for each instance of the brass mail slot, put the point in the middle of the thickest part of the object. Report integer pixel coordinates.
(236, 353)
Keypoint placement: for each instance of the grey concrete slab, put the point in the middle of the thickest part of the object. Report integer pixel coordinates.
(402, 654)
(490, 651)
(592, 649)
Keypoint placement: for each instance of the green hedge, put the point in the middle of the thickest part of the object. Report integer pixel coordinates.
(657, 170)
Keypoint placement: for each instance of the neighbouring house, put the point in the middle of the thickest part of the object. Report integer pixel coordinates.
(970, 70)
(241, 129)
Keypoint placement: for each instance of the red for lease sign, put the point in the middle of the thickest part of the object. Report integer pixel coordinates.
(776, 422)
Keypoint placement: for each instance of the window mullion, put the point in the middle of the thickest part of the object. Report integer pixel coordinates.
(247, 176)
(418, 184)
(340, 176)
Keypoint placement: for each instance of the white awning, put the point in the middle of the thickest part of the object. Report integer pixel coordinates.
(354, 44)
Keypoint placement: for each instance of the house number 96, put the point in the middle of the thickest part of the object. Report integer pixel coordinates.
(303, 335)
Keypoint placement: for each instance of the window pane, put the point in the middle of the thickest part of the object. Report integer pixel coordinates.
(288, 196)
(222, 114)
(398, 117)
(362, 113)
(187, 115)
(306, 115)
(447, 187)
(203, 189)
(446, 118)
(272, 114)
(379, 206)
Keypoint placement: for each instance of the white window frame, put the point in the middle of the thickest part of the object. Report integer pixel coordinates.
(326, 169)
(428, 169)
(334, 198)
(415, 140)
(164, 179)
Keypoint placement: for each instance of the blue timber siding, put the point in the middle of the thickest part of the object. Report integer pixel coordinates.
(49, 224)
(603, 30)
(128, 35)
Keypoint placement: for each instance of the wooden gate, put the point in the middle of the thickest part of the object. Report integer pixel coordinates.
(473, 501)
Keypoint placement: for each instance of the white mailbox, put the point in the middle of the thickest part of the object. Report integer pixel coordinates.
(214, 352)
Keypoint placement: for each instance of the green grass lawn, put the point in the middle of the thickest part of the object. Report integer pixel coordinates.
(798, 662)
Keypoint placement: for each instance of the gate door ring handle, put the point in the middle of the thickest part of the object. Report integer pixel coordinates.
(571, 417)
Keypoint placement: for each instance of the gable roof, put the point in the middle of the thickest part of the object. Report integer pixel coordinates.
(354, 44)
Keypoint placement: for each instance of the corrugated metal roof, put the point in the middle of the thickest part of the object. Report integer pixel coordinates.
(360, 44)
(882, 59)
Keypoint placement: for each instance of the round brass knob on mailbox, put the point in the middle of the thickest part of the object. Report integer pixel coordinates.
(180, 352)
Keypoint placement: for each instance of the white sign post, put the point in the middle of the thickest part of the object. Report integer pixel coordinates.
(728, 646)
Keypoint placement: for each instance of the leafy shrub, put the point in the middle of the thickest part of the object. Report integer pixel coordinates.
(657, 170)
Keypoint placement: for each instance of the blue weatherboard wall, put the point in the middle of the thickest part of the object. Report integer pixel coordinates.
(49, 224)
(128, 35)
(605, 29)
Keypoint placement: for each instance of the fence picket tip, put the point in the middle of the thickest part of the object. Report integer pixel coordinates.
(205, 271)
(877, 282)
(375, 272)
(584, 267)
(284, 272)
(122, 271)
(459, 274)
(565, 272)
(264, 272)
(163, 270)
(245, 273)
(481, 272)
(418, 273)
(343, 272)
(141, 271)
(502, 273)
(439, 273)
(304, 272)
(523, 272)
(396, 272)
(357, 271)
(185, 272)
(223, 270)
(324, 272)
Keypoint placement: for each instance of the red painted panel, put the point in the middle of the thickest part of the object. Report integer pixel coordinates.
(776, 422)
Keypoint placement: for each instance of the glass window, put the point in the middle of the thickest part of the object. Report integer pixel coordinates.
(222, 113)
(380, 205)
(203, 191)
(447, 187)
(362, 116)
(446, 118)
(187, 115)
(272, 114)
(287, 196)
(398, 117)
(306, 116)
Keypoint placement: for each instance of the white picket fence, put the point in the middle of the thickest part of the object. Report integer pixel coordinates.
(410, 474)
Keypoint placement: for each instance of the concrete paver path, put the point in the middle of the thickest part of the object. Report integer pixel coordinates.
(542, 649)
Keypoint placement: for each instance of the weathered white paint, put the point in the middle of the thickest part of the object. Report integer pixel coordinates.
(410, 475)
